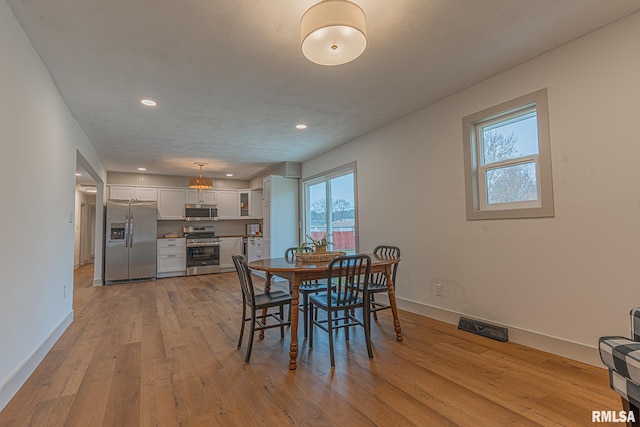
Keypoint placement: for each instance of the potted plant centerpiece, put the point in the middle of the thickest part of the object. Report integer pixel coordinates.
(319, 246)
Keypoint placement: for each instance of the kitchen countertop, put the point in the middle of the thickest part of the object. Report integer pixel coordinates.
(226, 235)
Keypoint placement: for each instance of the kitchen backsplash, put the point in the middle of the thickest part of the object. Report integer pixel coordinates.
(235, 227)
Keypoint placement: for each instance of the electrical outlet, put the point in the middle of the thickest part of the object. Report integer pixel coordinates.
(437, 289)
(70, 217)
(64, 291)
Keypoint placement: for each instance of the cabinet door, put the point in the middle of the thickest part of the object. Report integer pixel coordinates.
(208, 196)
(229, 246)
(170, 203)
(254, 248)
(250, 204)
(147, 194)
(228, 205)
(266, 220)
(120, 193)
(172, 263)
(255, 204)
(201, 196)
(193, 196)
(266, 188)
(245, 207)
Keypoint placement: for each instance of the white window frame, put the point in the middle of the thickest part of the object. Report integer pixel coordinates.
(324, 177)
(475, 170)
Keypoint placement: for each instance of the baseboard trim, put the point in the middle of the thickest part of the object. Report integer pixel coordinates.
(558, 346)
(10, 387)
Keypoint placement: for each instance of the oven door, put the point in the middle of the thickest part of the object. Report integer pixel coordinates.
(203, 258)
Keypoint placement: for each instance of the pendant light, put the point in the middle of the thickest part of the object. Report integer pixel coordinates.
(200, 183)
(333, 32)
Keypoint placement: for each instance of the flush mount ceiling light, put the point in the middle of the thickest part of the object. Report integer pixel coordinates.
(333, 32)
(200, 183)
(148, 102)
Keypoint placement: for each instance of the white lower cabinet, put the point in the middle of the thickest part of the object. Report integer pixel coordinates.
(254, 252)
(172, 257)
(229, 246)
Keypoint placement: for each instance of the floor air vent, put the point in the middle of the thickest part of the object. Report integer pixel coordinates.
(494, 332)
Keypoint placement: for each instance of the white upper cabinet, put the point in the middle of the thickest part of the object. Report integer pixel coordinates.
(201, 196)
(228, 204)
(250, 204)
(149, 194)
(231, 204)
(171, 203)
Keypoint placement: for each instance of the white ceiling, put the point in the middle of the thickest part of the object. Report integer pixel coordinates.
(231, 81)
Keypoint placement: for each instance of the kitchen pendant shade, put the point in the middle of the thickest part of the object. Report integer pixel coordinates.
(333, 32)
(200, 183)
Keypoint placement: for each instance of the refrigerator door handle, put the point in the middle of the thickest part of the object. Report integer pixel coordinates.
(131, 232)
(126, 231)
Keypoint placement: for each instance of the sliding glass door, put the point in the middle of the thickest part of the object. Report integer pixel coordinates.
(330, 209)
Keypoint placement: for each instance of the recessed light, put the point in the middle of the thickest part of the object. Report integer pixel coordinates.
(229, 174)
(301, 126)
(148, 102)
(78, 174)
(142, 169)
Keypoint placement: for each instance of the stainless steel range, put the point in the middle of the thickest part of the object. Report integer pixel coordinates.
(203, 250)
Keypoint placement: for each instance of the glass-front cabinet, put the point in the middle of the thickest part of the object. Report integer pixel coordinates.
(250, 204)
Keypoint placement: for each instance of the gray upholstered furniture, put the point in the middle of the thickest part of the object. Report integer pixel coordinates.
(622, 356)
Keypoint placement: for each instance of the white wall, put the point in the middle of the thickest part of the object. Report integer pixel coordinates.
(39, 141)
(557, 283)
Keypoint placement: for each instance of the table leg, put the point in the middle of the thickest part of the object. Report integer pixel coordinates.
(293, 348)
(392, 303)
(267, 288)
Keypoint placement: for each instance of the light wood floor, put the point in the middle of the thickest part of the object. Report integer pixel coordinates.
(163, 353)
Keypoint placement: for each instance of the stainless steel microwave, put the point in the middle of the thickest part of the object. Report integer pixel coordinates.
(200, 212)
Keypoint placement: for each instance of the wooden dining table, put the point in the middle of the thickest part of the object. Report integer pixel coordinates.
(297, 272)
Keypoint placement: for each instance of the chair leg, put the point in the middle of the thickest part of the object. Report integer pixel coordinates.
(311, 326)
(252, 330)
(628, 407)
(346, 320)
(330, 328)
(244, 320)
(366, 317)
(373, 307)
(305, 312)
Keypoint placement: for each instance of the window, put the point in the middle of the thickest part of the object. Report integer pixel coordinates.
(330, 208)
(508, 160)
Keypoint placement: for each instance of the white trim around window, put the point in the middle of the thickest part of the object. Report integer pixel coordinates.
(536, 161)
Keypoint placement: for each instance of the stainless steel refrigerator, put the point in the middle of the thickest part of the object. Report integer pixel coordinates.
(130, 242)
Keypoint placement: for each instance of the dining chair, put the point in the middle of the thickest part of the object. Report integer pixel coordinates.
(306, 288)
(349, 275)
(257, 303)
(378, 282)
